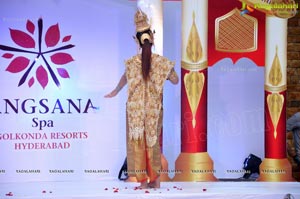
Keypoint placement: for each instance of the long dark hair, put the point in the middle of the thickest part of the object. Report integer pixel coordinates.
(146, 53)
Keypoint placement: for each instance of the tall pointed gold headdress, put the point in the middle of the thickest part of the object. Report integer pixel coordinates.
(141, 25)
(141, 21)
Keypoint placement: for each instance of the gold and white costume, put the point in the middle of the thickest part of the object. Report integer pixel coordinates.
(144, 115)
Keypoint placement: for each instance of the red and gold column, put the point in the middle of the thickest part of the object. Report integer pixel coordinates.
(194, 163)
(275, 166)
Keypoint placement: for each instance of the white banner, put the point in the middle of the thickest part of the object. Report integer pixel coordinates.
(58, 60)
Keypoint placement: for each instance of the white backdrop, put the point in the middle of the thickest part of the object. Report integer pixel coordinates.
(101, 31)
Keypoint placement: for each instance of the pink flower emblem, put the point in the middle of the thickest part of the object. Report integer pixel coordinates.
(53, 59)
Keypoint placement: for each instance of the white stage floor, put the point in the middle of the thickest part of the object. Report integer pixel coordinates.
(125, 190)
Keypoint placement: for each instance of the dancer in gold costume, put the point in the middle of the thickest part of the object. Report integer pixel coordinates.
(145, 74)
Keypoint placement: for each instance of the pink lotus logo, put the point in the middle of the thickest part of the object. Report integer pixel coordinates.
(39, 68)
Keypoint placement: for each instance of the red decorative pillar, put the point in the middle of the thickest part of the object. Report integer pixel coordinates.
(194, 163)
(275, 166)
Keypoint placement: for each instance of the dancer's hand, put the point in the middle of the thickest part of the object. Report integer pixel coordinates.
(111, 94)
(119, 87)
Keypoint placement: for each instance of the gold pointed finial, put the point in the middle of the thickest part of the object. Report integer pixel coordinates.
(275, 75)
(194, 47)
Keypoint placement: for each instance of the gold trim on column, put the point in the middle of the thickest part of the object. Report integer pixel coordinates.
(194, 83)
(275, 170)
(276, 89)
(275, 74)
(194, 167)
(194, 50)
(193, 66)
(275, 103)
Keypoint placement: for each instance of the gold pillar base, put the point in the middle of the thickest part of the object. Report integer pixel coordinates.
(194, 167)
(275, 170)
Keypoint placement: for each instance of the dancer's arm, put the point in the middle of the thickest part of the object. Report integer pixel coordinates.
(121, 84)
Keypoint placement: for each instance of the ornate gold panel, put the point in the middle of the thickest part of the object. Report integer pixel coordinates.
(236, 33)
